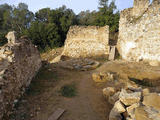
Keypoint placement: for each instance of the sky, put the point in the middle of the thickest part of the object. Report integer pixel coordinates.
(76, 5)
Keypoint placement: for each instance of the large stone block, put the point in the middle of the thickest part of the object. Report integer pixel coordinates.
(129, 98)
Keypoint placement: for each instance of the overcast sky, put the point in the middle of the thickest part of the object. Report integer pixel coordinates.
(76, 5)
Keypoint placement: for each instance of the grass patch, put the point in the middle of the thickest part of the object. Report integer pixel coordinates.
(68, 90)
(42, 81)
(143, 82)
(118, 57)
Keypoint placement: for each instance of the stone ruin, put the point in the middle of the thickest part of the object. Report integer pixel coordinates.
(139, 32)
(86, 41)
(138, 38)
(133, 103)
(19, 63)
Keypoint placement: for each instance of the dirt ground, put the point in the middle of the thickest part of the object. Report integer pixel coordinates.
(43, 97)
(139, 71)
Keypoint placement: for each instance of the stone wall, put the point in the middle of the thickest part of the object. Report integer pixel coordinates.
(19, 63)
(139, 31)
(86, 41)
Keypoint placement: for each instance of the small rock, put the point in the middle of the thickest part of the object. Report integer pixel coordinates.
(102, 77)
(129, 98)
(154, 63)
(131, 85)
(8, 52)
(55, 60)
(114, 98)
(109, 91)
(145, 91)
(15, 101)
(114, 115)
(95, 65)
(97, 78)
(31, 115)
(11, 36)
(119, 107)
(116, 111)
(2, 72)
(10, 59)
(110, 76)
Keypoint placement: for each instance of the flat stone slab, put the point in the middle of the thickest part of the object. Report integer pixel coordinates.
(82, 64)
(57, 114)
(112, 53)
(129, 98)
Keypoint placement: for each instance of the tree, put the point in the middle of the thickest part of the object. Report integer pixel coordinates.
(22, 18)
(103, 4)
(48, 28)
(86, 17)
(5, 17)
(107, 15)
(3, 40)
(42, 15)
(5, 22)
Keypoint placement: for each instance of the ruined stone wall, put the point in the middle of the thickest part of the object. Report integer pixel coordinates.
(19, 63)
(86, 41)
(139, 31)
(139, 7)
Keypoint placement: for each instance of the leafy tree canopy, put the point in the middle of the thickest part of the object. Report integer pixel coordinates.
(47, 28)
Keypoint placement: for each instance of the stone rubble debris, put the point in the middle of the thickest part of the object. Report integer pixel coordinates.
(135, 104)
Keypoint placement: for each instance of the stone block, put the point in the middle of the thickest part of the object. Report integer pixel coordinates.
(129, 98)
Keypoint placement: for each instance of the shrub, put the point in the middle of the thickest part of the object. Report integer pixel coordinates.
(68, 90)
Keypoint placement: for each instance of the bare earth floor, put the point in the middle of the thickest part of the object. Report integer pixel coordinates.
(43, 98)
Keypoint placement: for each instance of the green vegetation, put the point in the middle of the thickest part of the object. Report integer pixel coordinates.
(68, 90)
(47, 28)
(3, 40)
(107, 14)
(44, 79)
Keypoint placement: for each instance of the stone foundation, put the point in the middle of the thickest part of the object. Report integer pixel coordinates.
(19, 63)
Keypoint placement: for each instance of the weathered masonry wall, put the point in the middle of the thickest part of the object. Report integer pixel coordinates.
(139, 31)
(19, 63)
(86, 41)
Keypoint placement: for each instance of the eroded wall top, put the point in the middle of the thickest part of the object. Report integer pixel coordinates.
(19, 63)
(139, 7)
